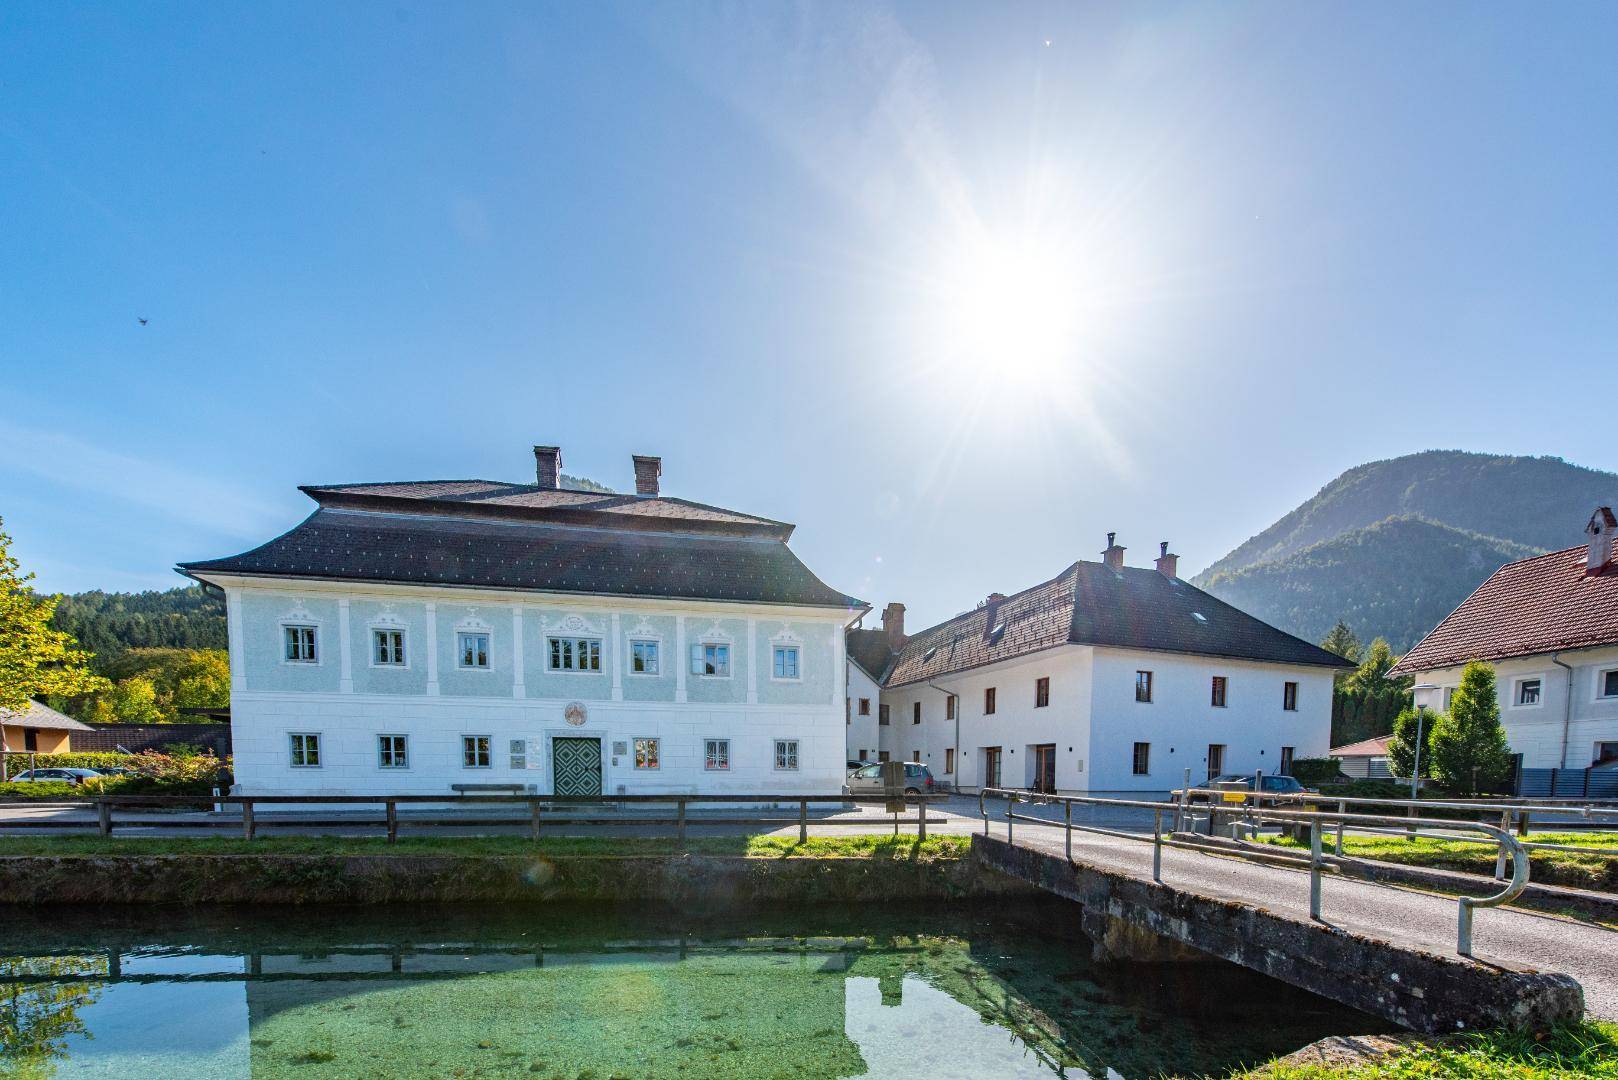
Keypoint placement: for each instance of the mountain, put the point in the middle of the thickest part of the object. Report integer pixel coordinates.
(1393, 546)
(109, 623)
(1395, 579)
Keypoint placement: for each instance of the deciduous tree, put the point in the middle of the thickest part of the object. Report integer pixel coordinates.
(35, 660)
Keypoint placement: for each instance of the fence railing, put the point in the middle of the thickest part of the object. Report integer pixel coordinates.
(1515, 816)
(536, 811)
(1315, 820)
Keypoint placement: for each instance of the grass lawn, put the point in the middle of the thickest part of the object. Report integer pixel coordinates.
(760, 847)
(1589, 1049)
(1547, 867)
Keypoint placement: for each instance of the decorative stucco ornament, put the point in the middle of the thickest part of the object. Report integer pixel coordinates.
(575, 713)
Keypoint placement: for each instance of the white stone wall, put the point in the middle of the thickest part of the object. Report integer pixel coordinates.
(863, 734)
(1536, 731)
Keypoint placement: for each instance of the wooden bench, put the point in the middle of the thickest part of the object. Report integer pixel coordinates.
(499, 789)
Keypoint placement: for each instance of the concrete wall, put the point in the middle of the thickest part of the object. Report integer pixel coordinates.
(349, 700)
(1536, 731)
(863, 734)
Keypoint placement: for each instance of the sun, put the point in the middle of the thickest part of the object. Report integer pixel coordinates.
(1012, 304)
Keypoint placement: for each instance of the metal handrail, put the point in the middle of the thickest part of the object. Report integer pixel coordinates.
(1314, 819)
(535, 805)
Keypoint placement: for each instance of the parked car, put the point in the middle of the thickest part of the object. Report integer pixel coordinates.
(1271, 785)
(65, 776)
(868, 780)
(856, 764)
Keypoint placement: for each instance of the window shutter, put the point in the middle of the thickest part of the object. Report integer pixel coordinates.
(696, 660)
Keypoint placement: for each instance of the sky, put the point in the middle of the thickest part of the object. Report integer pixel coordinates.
(957, 288)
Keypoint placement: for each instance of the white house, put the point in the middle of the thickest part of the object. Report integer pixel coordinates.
(412, 637)
(1549, 626)
(1106, 679)
(867, 660)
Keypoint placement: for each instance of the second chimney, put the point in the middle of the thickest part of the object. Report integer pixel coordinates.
(1602, 531)
(1168, 565)
(647, 472)
(893, 624)
(1113, 557)
(548, 466)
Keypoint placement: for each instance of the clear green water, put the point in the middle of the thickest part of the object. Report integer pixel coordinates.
(546, 992)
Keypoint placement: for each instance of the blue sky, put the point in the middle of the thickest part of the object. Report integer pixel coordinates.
(957, 288)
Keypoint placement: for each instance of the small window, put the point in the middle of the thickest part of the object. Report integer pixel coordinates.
(1289, 696)
(949, 706)
(949, 760)
(1219, 687)
(387, 648)
(1143, 759)
(1605, 752)
(915, 712)
(392, 752)
(1449, 697)
(882, 715)
(643, 658)
(575, 654)
(997, 631)
(881, 756)
(932, 651)
(646, 754)
(301, 644)
(473, 649)
(786, 754)
(865, 706)
(716, 755)
(475, 751)
(1042, 692)
(1609, 683)
(915, 756)
(1528, 692)
(305, 750)
(1143, 686)
(988, 702)
(786, 662)
(711, 660)
(1286, 760)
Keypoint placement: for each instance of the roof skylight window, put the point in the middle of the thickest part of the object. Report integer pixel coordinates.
(1199, 616)
(932, 651)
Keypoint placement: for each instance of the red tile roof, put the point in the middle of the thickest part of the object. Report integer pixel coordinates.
(1367, 748)
(1539, 605)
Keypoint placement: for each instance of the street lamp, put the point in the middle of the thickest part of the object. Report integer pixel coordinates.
(1421, 716)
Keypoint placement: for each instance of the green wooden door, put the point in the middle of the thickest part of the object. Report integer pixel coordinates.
(576, 766)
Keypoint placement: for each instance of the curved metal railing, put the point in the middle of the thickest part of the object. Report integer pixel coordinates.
(1314, 819)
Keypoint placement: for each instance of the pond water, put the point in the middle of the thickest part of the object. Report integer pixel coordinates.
(939, 991)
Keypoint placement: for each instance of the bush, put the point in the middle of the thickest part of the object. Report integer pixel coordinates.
(44, 789)
(155, 774)
(1312, 772)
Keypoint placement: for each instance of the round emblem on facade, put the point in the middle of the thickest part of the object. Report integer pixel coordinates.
(575, 714)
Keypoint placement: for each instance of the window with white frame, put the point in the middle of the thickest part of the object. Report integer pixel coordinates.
(716, 755)
(711, 659)
(302, 644)
(1142, 764)
(786, 662)
(643, 658)
(1607, 683)
(388, 648)
(473, 649)
(1527, 692)
(646, 754)
(1289, 696)
(305, 750)
(1143, 686)
(575, 654)
(392, 752)
(475, 752)
(786, 754)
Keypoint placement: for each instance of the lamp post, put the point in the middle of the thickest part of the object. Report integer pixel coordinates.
(1421, 717)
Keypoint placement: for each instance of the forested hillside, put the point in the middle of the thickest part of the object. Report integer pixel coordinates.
(1393, 546)
(109, 623)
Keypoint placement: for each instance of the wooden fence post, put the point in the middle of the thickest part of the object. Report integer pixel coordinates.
(680, 827)
(104, 817)
(393, 821)
(247, 820)
(803, 821)
(533, 820)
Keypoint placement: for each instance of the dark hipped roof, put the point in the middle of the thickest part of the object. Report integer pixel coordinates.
(1088, 604)
(870, 649)
(527, 502)
(1539, 605)
(539, 555)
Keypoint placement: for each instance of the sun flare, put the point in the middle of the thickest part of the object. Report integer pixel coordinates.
(1012, 305)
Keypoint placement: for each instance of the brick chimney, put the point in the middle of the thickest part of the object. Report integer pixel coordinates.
(1603, 532)
(548, 466)
(647, 471)
(893, 625)
(1113, 557)
(1167, 565)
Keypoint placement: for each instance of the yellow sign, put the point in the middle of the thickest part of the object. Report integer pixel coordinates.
(1236, 796)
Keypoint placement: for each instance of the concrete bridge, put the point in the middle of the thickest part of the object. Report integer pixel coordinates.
(1388, 951)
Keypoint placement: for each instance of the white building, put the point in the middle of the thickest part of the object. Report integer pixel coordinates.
(1549, 626)
(1107, 679)
(422, 636)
